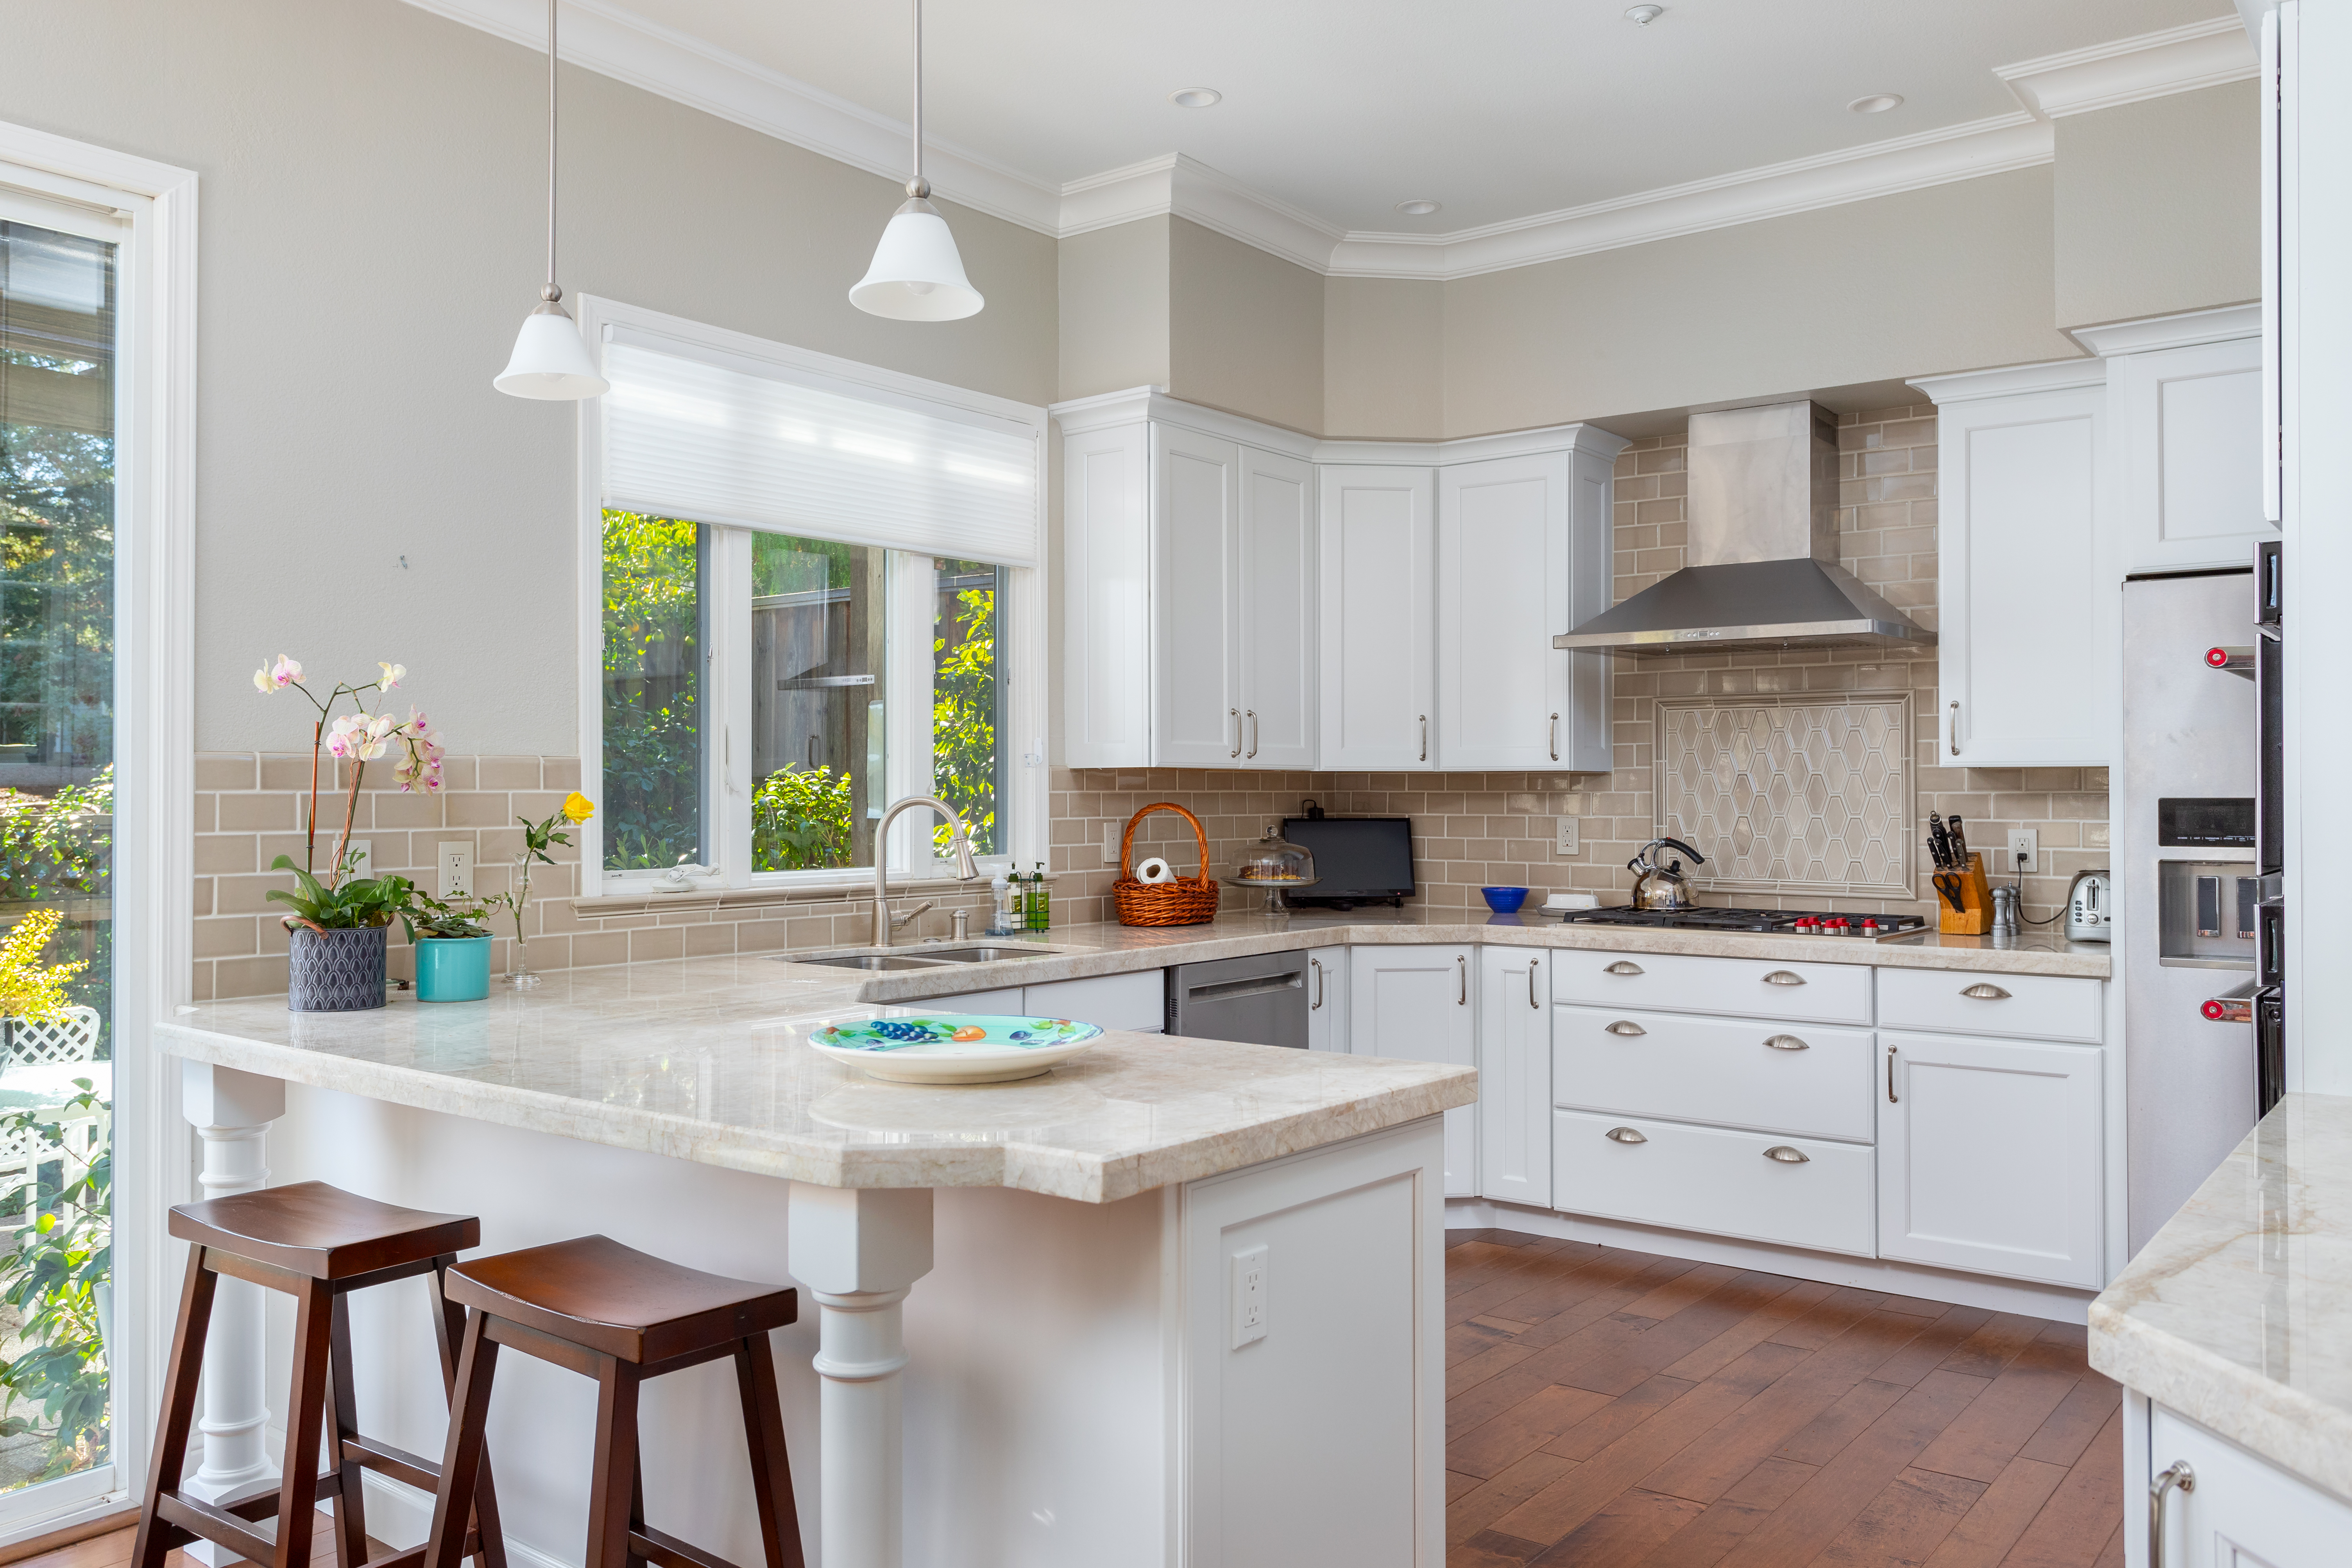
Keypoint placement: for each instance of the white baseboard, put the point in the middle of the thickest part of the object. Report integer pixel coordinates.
(2056, 1303)
(401, 1517)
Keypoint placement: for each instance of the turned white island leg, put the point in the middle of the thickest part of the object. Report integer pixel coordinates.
(231, 1112)
(856, 1251)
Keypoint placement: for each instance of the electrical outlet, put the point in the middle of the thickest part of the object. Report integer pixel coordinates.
(1249, 1296)
(456, 870)
(1111, 833)
(2024, 850)
(1564, 835)
(362, 858)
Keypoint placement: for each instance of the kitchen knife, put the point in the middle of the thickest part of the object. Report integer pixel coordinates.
(1939, 841)
(1959, 846)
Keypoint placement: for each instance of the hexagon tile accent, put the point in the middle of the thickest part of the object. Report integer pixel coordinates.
(1789, 794)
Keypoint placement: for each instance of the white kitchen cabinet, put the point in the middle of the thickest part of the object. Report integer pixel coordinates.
(2242, 1511)
(1515, 1075)
(1196, 487)
(1379, 618)
(1989, 1155)
(1277, 596)
(2187, 438)
(1327, 1000)
(1763, 1187)
(1523, 554)
(2022, 577)
(1418, 1003)
(1106, 596)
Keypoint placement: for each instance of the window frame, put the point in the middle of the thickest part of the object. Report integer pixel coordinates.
(726, 690)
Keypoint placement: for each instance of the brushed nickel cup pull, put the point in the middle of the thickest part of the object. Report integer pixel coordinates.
(1627, 1028)
(1784, 978)
(1623, 966)
(1986, 991)
(1787, 1155)
(1626, 1136)
(2176, 1474)
(1786, 1042)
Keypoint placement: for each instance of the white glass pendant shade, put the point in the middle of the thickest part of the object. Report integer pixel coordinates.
(550, 361)
(917, 274)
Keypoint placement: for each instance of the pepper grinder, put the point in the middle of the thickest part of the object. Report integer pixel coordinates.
(2004, 911)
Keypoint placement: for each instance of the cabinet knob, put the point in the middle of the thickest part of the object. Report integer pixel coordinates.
(1986, 991)
(1787, 1155)
(1623, 966)
(1786, 1042)
(1626, 1136)
(1626, 1027)
(1784, 978)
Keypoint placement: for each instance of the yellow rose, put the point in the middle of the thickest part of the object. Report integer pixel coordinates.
(578, 807)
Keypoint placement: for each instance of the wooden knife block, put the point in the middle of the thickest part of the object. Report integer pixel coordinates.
(1974, 917)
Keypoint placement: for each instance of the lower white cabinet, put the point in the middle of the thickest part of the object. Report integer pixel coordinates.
(1418, 1004)
(1514, 1059)
(1801, 1192)
(2241, 1512)
(1327, 1000)
(1989, 1156)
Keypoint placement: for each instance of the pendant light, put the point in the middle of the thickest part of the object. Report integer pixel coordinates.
(549, 359)
(917, 274)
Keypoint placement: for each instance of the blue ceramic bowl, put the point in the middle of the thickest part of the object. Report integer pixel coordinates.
(1504, 900)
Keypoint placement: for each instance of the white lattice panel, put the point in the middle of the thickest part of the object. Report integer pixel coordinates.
(1796, 795)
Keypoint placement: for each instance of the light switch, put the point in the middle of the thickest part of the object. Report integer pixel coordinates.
(1564, 835)
(457, 862)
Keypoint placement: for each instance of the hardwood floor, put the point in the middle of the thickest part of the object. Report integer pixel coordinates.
(113, 1550)
(1613, 1409)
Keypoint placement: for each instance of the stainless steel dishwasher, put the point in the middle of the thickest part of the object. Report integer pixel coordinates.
(1261, 999)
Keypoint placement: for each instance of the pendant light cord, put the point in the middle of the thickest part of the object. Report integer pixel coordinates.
(553, 291)
(918, 187)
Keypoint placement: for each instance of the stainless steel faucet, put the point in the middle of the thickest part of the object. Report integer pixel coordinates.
(886, 924)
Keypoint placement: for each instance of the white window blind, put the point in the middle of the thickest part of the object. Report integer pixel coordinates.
(739, 443)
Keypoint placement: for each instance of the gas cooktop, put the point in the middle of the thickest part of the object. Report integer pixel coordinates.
(1768, 922)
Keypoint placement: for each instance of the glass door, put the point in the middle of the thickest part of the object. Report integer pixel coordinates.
(59, 400)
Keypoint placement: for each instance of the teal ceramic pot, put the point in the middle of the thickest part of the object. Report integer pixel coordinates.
(453, 969)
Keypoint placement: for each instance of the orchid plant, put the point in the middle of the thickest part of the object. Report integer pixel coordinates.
(358, 738)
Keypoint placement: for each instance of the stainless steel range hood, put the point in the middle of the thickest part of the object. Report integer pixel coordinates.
(1763, 569)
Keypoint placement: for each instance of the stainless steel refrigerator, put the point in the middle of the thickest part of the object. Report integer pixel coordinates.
(2184, 852)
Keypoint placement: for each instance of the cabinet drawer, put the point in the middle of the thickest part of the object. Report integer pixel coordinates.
(2031, 1007)
(1742, 988)
(1715, 1179)
(1742, 1072)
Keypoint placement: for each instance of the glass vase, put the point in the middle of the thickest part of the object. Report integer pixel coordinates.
(519, 975)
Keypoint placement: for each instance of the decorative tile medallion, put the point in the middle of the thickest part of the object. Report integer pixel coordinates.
(1793, 795)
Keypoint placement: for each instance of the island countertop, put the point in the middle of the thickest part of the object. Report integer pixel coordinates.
(704, 1059)
(2238, 1314)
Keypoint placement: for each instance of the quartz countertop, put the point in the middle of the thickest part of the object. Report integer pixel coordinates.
(2238, 1314)
(704, 1059)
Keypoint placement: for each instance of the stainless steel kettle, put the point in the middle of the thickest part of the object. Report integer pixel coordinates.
(1662, 887)
(2089, 907)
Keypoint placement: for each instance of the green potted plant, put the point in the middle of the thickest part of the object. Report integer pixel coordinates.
(453, 945)
(335, 960)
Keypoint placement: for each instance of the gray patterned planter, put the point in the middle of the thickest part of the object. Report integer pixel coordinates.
(335, 971)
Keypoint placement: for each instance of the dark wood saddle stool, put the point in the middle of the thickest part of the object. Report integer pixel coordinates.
(619, 1316)
(317, 1244)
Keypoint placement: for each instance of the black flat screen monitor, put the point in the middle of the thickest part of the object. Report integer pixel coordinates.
(1357, 859)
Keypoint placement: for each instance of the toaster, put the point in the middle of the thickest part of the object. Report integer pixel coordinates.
(2090, 908)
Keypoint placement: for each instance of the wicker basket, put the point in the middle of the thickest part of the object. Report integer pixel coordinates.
(1187, 901)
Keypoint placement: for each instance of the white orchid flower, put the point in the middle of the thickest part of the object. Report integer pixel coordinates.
(393, 675)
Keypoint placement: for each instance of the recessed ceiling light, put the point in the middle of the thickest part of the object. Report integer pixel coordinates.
(1643, 16)
(1876, 103)
(1417, 209)
(1194, 96)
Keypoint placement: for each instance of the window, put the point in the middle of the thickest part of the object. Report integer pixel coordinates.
(816, 597)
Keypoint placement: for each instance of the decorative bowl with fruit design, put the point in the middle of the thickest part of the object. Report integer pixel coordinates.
(954, 1048)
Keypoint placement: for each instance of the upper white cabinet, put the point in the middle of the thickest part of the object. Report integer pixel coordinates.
(2185, 394)
(1106, 596)
(2023, 576)
(1196, 704)
(1522, 555)
(1419, 1003)
(1277, 595)
(1379, 616)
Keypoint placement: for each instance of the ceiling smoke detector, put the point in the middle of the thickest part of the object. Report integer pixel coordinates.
(1194, 96)
(1876, 103)
(1643, 16)
(1417, 208)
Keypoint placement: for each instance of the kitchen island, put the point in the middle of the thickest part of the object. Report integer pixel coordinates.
(1075, 1388)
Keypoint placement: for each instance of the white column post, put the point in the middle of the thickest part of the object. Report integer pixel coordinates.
(858, 1251)
(231, 1112)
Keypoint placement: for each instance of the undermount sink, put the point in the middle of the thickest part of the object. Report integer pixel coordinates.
(867, 961)
(981, 954)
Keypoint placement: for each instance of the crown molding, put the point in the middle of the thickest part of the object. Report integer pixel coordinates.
(1084, 415)
(2050, 375)
(2153, 65)
(2186, 330)
(604, 37)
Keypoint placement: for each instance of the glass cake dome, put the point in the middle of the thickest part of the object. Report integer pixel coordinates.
(1274, 864)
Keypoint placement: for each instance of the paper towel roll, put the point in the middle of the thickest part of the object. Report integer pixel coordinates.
(1155, 870)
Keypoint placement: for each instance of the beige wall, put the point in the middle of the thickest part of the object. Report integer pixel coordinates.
(2159, 207)
(1384, 358)
(1114, 296)
(1244, 329)
(371, 192)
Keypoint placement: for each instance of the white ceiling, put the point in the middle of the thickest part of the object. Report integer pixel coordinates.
(1499, 108)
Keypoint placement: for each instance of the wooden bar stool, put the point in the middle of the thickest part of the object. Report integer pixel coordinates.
(620, 1316)
(317, 1244)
